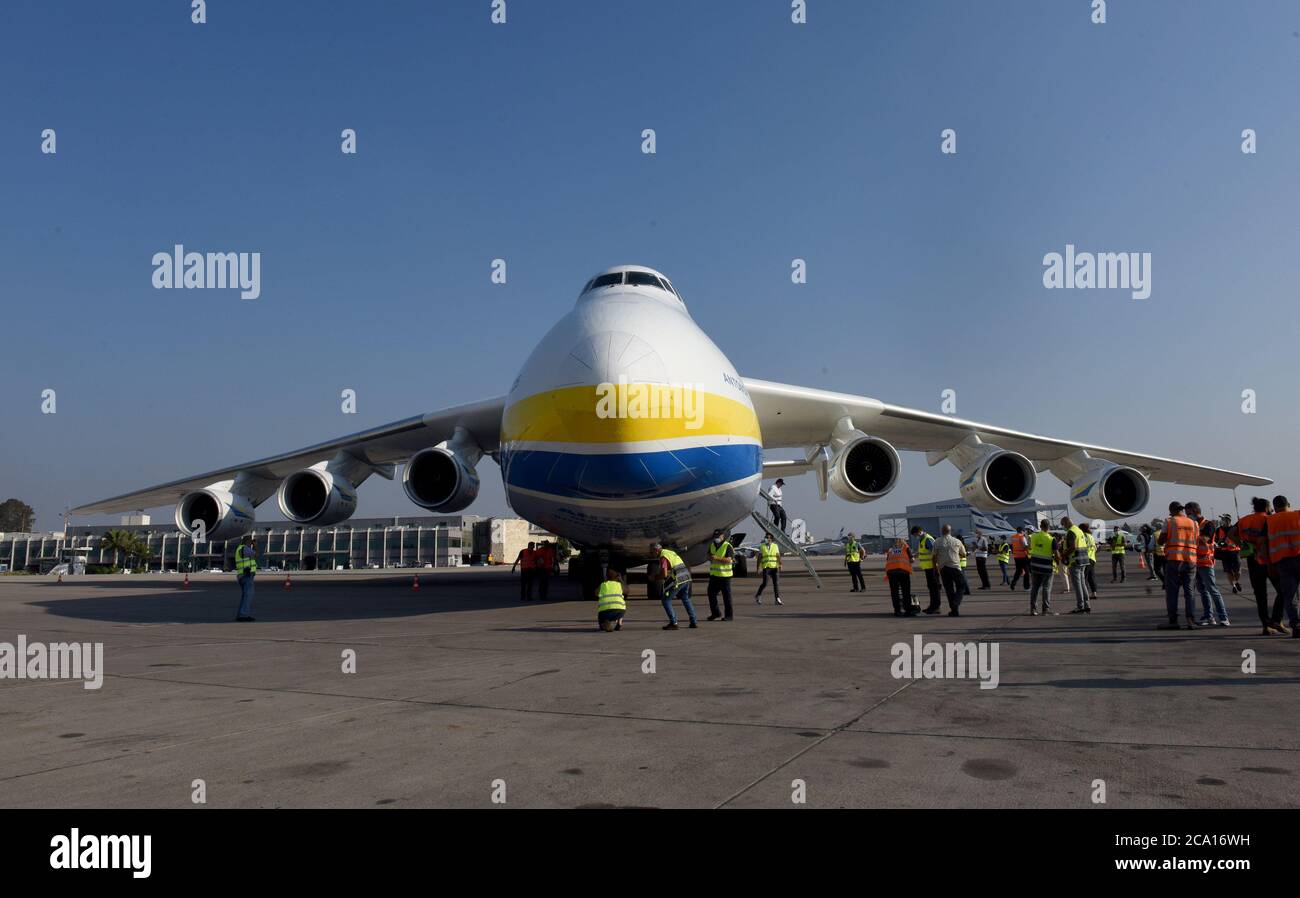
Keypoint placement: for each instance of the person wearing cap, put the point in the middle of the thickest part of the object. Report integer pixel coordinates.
(774, 505)
(1076, 551)
(721, 558)
(1179, 541)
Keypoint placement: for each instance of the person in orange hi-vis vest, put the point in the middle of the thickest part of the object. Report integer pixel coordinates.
(1179, 538)
(898, 571)
(1020, 555)
(1252, 535)
(526, 561)
(1213, 611)
(1284, 552)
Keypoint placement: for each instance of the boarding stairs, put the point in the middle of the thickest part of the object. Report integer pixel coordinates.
(779, 536)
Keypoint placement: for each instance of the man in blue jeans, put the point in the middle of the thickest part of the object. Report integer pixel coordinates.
(245, 571)
(676, 583)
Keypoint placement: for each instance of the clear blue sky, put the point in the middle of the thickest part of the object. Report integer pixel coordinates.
(522, 141)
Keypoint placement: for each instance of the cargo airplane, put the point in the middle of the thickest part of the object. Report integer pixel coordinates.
(627, 424)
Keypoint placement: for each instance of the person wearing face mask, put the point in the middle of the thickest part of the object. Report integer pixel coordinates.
(721, 558)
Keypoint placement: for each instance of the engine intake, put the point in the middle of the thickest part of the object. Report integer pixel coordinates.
(313, 496)
(1110, 491)
(1000, 479)
(440, 479)
(865, 469)
(223, 514)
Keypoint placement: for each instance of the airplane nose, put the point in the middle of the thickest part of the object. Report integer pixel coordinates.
(605, 356)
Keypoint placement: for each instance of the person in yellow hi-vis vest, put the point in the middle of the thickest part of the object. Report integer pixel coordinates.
(721, 557)
(853, 561)
(245, 571)
(611, 604)
(925, 558)
(1117, 549)
(769, 560)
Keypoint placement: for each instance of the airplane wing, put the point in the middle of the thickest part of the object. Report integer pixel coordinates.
(378, 448)
(791, 416)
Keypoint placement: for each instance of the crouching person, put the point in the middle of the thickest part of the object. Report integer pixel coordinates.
(611, 604)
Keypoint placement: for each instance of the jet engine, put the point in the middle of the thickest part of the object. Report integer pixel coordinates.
(1107, 491)
(864, 468)
(224, 515)
(998, 479)
(315, 496)
(441, 478)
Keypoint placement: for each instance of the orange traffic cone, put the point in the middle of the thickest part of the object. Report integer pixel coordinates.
(288, 583)
(415, 583)
(60, 578)
(186, 584)
(1142, 562)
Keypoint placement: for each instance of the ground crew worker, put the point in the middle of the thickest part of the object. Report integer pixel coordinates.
(543, 563)
(1213, 612)
(1284, 554)
(898, 571)
(775, 506)
(1117, 549)
(853, 560)
(1158, 555)
(245, 571)
(925, 558)
(769, 561)
(525, 561)
(1004, 559)
(1076, 551)
(611, 605)
(1042, 566)
(965, 584)
(1252, 530)
(1020, 554)
(1092, 559)
(982, 559)
(1179, 540)
(721, 558)
(675, 582)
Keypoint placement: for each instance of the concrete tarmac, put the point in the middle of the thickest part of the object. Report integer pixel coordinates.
(461, 689)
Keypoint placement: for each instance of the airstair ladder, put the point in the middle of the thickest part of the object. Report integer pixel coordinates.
(779, 536)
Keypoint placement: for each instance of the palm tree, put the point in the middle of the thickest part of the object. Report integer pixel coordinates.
(124, 543)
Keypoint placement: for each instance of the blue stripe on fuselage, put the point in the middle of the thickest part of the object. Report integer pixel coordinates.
(631, 475)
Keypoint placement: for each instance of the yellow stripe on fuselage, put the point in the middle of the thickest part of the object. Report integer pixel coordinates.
(581, 414)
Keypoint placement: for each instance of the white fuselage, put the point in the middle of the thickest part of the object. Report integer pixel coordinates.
(628, 425)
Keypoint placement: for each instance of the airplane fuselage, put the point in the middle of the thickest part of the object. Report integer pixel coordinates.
(627, 424)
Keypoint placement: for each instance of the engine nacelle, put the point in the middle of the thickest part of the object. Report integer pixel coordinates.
(998, 479)
(313, 496)
(1110, 491)
(224, 514)
(864, 469)
(440, 479)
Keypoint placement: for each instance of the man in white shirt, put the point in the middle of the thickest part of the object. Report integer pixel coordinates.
(774, 506)
(948, 554)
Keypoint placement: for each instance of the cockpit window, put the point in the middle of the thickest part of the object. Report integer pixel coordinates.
(587, 287)
(669, 288)
(643, 279)
(606, 280)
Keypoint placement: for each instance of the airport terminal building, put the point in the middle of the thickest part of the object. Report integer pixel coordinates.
(363, 543)
(966, 519)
